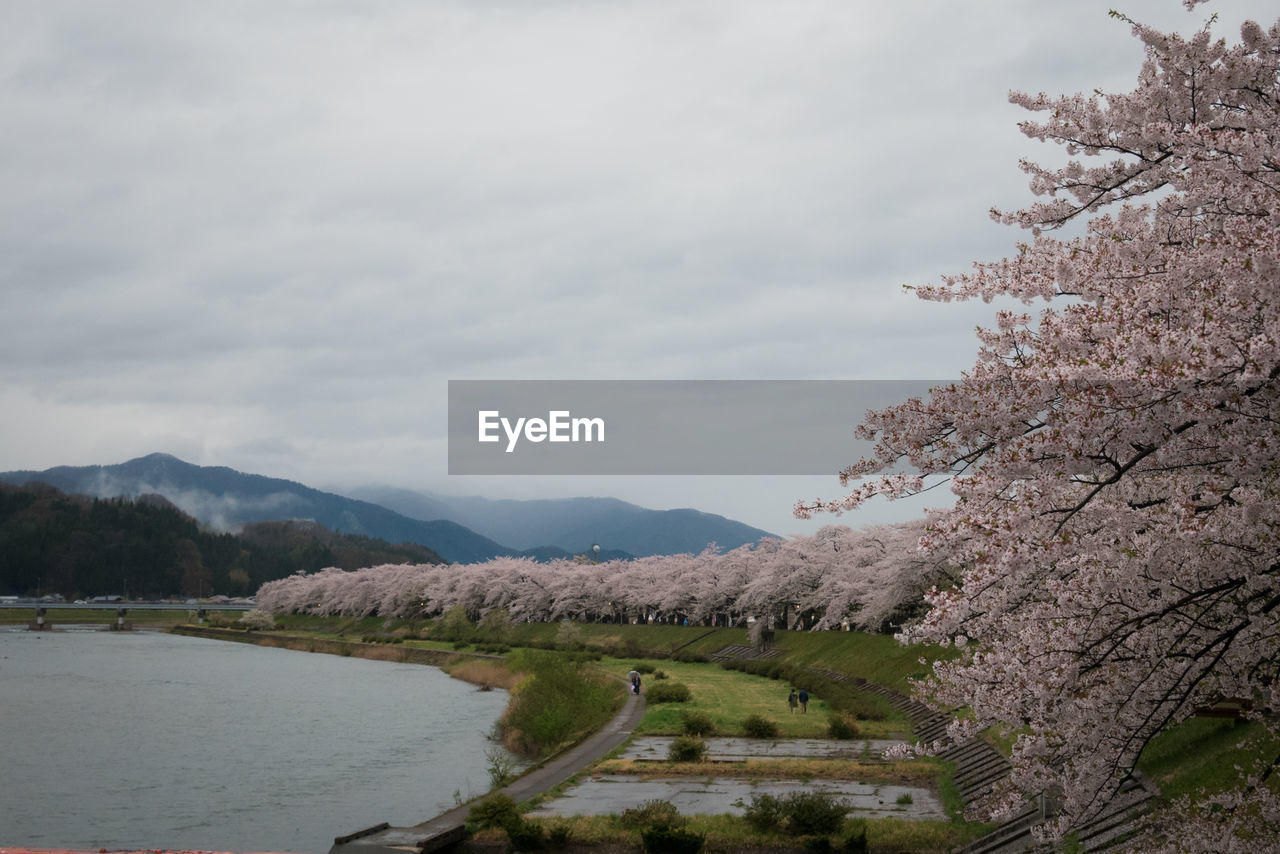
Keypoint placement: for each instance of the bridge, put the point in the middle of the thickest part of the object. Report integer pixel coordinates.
(121, 607)
(132, 606)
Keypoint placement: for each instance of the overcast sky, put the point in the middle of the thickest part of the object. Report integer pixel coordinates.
(266, 235)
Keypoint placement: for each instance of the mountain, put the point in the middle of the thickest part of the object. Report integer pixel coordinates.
(574, 524)
(459, 529)
(226, 499)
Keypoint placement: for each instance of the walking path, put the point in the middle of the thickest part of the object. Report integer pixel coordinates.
(446, 829)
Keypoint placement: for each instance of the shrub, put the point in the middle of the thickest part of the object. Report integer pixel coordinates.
(643, 668)
(501, 766)
(669, 692)
(687, 748)
(814, 812)
(525, 835)
(697, 723)
(671, 840)
(799, 813)
(558, 834)
(655, 813)
(493, 811)
(687, 657)
(257, 619)
(454, 625)
(857, 841)
(840, 727)
(659, 674)
(764, 813)
(758, 726)
(557, 700)
(497, 625)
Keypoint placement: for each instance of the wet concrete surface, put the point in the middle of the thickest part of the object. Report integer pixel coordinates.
(612, 793)
(738, 749)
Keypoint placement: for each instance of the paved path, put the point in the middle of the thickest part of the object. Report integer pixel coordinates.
(447, 828)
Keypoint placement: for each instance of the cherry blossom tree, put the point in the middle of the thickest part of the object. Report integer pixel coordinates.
(1116, 456)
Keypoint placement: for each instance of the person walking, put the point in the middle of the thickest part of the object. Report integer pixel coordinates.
(634, 676)
(793, 700)
(804, 701)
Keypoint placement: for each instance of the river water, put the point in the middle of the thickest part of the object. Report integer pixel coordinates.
(149, 740)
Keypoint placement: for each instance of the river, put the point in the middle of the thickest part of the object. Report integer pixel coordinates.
(149, 740)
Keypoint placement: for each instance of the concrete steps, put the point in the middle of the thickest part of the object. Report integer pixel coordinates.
(1115, 826)
(746, 653)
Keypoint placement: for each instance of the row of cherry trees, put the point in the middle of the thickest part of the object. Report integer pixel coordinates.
(823, 580)
(1116, 458)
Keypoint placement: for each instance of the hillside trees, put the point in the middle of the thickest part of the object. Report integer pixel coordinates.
(1116, 457)
(52, 542)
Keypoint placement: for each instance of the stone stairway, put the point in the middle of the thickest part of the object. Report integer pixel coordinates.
(747, 653)
(1115, 826)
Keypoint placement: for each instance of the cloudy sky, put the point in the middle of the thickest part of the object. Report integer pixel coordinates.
(266, 235)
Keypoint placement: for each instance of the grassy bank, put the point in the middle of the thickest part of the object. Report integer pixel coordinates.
(728, 833)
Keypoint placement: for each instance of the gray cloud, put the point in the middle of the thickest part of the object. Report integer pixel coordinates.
(266, 235)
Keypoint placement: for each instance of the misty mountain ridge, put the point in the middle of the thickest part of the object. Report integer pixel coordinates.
(227, 499)
(573, 523)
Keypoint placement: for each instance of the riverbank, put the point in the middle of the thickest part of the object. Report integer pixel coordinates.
(402, 653)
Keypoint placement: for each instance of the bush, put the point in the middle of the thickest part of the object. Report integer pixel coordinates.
(857, 841)
(671, 840)
(687, 657)
(454, 625)
(525, 835)
(798, 814)
(758, 726)
(643, 668)
(655, 813)
(687, 748)
(257, 619)
(669, 692)
(558, 834)
(659, 674)
(697, 723)
(556, 701)
(840, 727)
(764, 813)
(493, 811)
(814, 812)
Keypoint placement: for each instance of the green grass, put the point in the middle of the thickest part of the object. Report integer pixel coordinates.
(727, 833)
(728, 697)
(1202, 753)
(878, 658)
